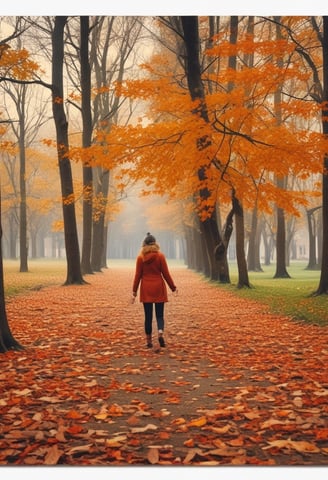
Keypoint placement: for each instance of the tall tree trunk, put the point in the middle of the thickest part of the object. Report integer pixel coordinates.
(23, 247)
(323, 283)
(74, 275)
(104, 251)
(13, 231)
(7, 341)
(236, 204)
(208, 226)
(243, 280)
(86, 142)
(281, 271)
(313, 263)
(267, 240)
(101, 192)
(221, 249)
(253, 257)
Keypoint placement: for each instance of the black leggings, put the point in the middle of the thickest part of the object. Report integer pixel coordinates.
(159, 310)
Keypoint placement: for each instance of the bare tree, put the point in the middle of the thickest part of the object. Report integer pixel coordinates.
(74, 275)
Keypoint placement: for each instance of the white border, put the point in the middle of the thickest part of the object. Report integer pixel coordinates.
(164, 7)
(161, 473)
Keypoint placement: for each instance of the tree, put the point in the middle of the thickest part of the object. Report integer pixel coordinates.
(281, 271)
(19, 65)
(318, 91)
(86, 142)
(30, 118)
(118, 38)
(323, 283)
(311, 220)
(74, 275)
(7, 340)
(208, 222)
(237, 206)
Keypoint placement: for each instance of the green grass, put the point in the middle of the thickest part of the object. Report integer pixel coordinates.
(285, 296)
(41, 273)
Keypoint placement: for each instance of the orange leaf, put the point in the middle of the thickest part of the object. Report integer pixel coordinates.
(75, 429)
(189, 443)
(198, 422)
(52, 456)
(153, 455)
(73, 414)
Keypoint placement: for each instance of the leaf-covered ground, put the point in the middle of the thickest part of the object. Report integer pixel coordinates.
(234, 386)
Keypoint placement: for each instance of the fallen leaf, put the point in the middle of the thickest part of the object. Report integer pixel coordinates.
(52, 456)
(270, 423)
(191, 455)
(299, 446)
(189, 443)
(298, 402)
(219, 430)
(150, 426)
(153, 455)
(227, 452)
(79, 449)
(115, 441)
(22, 393)
(197, 422)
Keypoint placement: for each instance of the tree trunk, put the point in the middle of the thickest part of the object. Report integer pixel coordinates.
(13, 234)
(323, 283)
(7, 341)
(243, 280)
(104, 251)
(281, 271)
(23, 247)
(221, 249)
(267, 241)
(313, 263)
(98, 245)
(74, 275)
(208, 226)
(86, 142)
(253, 257)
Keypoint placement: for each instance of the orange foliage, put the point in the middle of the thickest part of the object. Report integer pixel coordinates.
(17, 64)
(246, 147)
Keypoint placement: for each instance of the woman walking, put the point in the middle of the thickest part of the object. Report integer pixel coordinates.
(151, 273)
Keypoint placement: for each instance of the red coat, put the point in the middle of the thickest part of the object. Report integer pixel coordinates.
(151, 271)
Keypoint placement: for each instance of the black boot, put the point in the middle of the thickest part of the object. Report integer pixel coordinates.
(161, 340)
(149, 342)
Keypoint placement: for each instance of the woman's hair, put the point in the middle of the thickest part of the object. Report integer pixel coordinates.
(149, 240)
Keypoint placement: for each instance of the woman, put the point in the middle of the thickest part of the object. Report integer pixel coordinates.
(151, 271)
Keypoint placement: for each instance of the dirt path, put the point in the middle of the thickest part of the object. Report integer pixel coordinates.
(234, 386)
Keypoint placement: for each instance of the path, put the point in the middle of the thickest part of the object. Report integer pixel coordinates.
(235, 385)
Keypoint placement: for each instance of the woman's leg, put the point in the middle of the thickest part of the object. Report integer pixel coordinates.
(148, 309)
(159, 309)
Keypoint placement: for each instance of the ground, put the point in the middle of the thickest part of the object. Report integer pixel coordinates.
(235, 385)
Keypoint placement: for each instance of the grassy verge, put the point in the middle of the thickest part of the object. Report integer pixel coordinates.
(41, 273)
(287, 296)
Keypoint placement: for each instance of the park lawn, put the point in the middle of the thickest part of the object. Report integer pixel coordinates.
(286, 296)
(41, 273)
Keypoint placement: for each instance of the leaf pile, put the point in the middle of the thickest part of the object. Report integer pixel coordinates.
(234, 386)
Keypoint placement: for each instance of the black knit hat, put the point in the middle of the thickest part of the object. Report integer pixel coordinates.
(149, 239)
